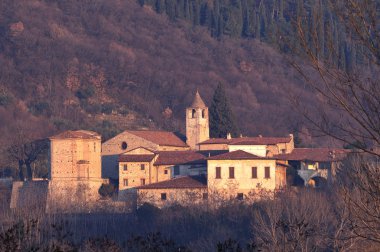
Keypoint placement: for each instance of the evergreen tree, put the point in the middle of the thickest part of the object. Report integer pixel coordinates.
(221, 117)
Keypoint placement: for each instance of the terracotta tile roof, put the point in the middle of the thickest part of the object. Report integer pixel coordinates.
(179, 157)
(135, 158)
(249, 140)
(260, 140)
(238, 155)
(162, 138)
(314, 154)
(80, 134)
(216, 141)
(198, 102)
(188, 182)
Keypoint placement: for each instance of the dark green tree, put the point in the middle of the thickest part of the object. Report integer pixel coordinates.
(221, 117)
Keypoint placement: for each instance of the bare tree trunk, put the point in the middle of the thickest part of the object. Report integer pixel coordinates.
(20, 170)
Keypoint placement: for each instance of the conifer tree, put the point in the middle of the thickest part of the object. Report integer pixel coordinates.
(221, 117)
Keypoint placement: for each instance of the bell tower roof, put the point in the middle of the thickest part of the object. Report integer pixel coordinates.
(198, 102)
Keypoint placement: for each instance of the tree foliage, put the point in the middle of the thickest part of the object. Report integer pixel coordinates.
(221, 118)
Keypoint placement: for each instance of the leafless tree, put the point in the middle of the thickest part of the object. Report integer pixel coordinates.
(26, 145)
(349, 108)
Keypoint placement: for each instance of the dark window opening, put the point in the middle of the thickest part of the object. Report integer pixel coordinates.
(142, 181)
(142, 167)
(124, 145)
(254, 172)
(163, 196)
(267, 172)
(218, 174)
(240, 196)
(203, 113)
(125, 167)
(205, 196)
(176, 170)
(193, 113)
(166, 172)
(232, 173)
(283, 151)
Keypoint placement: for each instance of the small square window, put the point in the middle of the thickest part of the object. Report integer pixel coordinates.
(142, 167)
(254, 172)
(232, 173)
(166, 172)
(125, 167)
(218, 174)
(240, 196)
(267, 172)
(163, 196)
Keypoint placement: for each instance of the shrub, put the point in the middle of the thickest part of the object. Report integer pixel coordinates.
(5, 99)
(107, 190)
(107, 108)
(40, 108)
(85, 93)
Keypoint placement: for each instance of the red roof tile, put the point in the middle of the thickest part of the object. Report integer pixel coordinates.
(179, 157)
(314, 154)
(198, 102)
(77, 134)
(135, 158)
(188, 182)
(162, 138)
(238, 155)
(249, 140)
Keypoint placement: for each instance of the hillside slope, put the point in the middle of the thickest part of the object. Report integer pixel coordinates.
(107, 65)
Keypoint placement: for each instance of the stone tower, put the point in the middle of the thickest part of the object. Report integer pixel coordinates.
(197, 123)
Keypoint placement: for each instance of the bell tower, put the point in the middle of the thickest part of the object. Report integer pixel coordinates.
(197, 123)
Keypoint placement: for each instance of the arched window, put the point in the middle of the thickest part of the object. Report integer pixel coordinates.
(124, 145)
(193, 113)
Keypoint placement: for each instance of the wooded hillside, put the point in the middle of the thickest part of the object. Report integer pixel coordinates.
(111, 65)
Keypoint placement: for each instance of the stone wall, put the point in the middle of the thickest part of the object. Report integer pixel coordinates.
(75, 158)
(243, 181)
(30, 195)
(114, 147)
(173, 196)
(197, 127)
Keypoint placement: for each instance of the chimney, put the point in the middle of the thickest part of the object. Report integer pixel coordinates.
(229, 136)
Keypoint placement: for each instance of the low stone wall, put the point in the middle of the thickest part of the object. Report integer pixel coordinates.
(29, 195)
(64, 196)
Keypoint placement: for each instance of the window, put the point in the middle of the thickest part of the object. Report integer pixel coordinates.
(193, 113)
(142, 181)
(125, 167)
(254, 172)
(283, 151)
(203, 113)
(232, 172)
(124, 145)
(267, 172)
(218, 173)
(166, 172)
(125, 182)
(240, 196)
(176, 170)
(142, 167)
(163, 196)
(205, 196)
